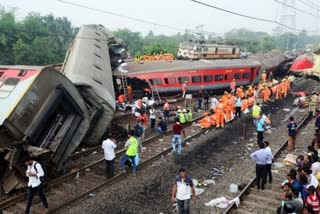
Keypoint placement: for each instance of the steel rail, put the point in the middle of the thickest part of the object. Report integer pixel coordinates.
(19, 197)
(247, 188)
(123, 175)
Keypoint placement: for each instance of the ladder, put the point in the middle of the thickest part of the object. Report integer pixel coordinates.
(124, 82)
(155, 92)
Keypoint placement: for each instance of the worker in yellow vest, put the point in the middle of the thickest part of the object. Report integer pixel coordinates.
(131, 153)
(256, 110)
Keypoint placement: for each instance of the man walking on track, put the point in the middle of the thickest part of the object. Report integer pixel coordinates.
(176, 138)
(132, 151)
(292, 133)
(182, 190)
(34, 173)
(261, 157)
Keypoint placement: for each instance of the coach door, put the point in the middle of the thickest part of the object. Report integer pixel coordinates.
(252, 74)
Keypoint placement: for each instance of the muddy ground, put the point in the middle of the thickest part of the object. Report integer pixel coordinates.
(222, 155)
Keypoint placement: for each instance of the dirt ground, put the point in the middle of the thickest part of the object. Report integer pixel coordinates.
(222, 155)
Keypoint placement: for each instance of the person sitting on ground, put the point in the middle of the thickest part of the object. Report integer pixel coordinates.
(305, 184)
(292, 179)
(312, 199)
(162, 126)
(287, 203)
(308, 210)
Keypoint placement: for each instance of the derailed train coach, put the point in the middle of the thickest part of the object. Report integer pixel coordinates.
(46, 112)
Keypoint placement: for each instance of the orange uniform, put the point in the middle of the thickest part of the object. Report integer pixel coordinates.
(129, 88)
(266, 94)
(224, 99)
(240, 92)
(278, 91)
(166, 106)
(121, 98)
(219, 110)
(229, 111)
(284, 88)
(244, 104)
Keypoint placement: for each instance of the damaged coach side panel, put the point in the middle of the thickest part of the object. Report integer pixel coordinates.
(43, 114)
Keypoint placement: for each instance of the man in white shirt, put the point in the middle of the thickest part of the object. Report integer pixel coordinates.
(214, 102)
(34, 173)
(108, 146)
(269, 162)
(182, 190)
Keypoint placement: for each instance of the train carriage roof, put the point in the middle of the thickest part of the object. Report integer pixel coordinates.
(183, 65)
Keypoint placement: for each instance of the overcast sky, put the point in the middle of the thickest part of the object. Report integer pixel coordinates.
(183, 14)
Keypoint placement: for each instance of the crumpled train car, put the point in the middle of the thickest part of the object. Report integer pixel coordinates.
(88, 66)
(41, 113)
(47, 111)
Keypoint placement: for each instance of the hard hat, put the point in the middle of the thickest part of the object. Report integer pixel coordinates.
(179, 110)
(185, 81)
(184, 110)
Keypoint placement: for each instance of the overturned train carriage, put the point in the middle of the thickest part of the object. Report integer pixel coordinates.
(42, 107)
(87, 65)
(48, 112)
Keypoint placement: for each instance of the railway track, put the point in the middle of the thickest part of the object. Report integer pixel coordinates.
(268, 200)
(87, 179)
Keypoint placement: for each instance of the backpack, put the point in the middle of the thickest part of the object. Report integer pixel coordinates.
(45, 176)
(138, 130)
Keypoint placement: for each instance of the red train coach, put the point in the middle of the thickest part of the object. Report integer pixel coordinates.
(168, 76)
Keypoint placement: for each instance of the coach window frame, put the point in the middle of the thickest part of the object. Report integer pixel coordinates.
(196, 79)
(170, 80)
(183, 79)
(156, 81)
(218, 77)
(14, 85)
(207, 76)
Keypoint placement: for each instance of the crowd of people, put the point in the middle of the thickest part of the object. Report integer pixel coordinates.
(155, 57)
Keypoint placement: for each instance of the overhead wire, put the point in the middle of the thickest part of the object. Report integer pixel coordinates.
(246, 16)
(297, 9)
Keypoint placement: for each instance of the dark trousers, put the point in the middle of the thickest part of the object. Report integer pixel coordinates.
(166, 114)
(200, 103)
(153, 122)
(260, 137)
(30, 193)
(238, 112)
(268, 173)
(183, 206)
(206, 104)
(109, 168)
(260, 175)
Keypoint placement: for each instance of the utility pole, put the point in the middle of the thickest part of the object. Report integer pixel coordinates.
(287, 18)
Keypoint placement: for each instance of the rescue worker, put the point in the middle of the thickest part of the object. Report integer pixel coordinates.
(278, 91)
(314, 101)
(130, 95)
(190, 116)
(219, 110)
(264, 76)
(132, 151)
(184, 89)
(121, 98)
(233, 86)
(224, 99)
(229, 110)
(185, 113)
(182, 118)
(284, 89)
(256, 110)
(266, 94)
